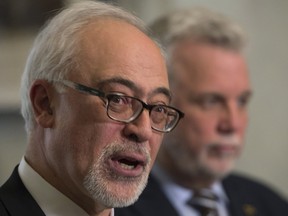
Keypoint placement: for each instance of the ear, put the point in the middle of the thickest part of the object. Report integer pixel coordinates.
(41, 94)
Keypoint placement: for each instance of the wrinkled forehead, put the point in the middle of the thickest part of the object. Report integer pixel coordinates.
(114, 49)
(223, 75)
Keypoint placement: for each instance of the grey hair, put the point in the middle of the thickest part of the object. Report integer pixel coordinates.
(200, 25)
(55, 50)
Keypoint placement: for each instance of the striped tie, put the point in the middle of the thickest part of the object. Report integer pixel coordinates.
(204, 201)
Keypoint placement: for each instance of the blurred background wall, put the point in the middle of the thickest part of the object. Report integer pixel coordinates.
(265, 21)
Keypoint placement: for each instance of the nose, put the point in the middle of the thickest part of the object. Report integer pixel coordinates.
(140, 129)
(232, 119)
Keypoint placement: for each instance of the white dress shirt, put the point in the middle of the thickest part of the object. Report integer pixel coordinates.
(51, 201)
(178, 196)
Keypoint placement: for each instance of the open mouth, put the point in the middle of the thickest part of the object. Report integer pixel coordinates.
(131, 165)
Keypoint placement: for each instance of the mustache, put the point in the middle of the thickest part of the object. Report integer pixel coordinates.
(127, 147)
(232, 140)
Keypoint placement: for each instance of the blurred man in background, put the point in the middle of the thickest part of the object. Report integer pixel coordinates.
(210, 83)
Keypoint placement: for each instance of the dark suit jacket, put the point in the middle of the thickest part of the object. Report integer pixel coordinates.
(247, 198)
(15, 200)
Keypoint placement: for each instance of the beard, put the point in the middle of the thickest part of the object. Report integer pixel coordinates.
(110, 189)
(204, 162)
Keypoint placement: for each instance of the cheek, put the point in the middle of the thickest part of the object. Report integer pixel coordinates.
(83, 140)
(199, 125)
(94, 138)
(81, 132)
(194, 133)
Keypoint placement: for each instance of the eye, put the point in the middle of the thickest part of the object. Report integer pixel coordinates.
(159, 114)
(160, 109)
(243, 101)
(208, 101)
(119, 103)
(118, 99)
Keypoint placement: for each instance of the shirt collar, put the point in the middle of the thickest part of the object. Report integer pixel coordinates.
(50, 200)
(174, 192)
(181, 194)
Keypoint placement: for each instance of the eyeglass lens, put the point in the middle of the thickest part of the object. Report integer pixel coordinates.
(126, 109)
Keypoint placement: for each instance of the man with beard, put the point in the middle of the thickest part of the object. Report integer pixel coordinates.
(95, 99)
(210, 83)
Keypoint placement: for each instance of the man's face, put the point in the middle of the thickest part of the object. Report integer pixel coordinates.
(104, 159)
(212, 89)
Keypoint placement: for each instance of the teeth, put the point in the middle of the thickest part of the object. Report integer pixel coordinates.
(126, 166)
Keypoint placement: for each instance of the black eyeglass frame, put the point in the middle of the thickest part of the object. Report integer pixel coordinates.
(149, 107)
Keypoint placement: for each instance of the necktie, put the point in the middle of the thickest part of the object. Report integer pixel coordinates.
(205, 202)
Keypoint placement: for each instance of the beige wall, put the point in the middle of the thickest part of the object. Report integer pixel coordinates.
(266, 22)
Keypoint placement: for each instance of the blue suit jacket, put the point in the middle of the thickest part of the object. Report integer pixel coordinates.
(15, 200)
(247, 198)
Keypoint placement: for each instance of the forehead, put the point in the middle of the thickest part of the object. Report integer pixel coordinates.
(113, 48)
(208, 67)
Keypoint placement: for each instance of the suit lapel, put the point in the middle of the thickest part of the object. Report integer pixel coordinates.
(234, 206)
(156, 197)
(17, 199)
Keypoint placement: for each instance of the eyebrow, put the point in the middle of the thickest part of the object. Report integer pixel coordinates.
(247, 93)
(133, 86)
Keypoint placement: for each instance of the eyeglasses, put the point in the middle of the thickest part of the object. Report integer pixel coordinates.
(123, 108)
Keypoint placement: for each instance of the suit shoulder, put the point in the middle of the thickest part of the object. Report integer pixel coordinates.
(252, 188)
(3, 210)
(242, 181)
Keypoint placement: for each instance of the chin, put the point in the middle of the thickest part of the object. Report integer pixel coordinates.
(125, 196)
(220, 169)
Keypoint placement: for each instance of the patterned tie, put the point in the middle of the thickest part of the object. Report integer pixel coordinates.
(204, 201)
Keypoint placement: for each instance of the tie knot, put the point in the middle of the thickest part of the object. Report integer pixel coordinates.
(205, 194)
(205, 201)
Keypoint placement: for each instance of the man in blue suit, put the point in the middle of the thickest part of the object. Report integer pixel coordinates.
(209, 80)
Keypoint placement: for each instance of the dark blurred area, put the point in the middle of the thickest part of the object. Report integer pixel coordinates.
(18, 14)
